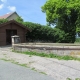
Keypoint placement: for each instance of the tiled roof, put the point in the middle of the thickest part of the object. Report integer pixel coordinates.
(6, 15)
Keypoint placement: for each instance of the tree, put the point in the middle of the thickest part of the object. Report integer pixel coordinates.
(65, 14)
(3, 21)
(19, 19)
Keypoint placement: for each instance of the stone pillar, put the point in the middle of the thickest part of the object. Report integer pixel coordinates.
(15, 40)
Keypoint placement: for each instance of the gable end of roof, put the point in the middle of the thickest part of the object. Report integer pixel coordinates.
(13, 21)
(12, 14)
(7, 15)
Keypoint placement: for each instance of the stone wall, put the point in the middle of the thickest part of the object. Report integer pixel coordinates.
(55, 49)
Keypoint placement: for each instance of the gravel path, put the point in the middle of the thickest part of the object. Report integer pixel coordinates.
(57, 69)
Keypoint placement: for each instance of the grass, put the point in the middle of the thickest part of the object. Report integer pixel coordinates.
(43, 73)
(34, 69)
(39, 72)
(4, 59)
(66, 57)
(71, 79)
(24, 65)
(13, 61)
(51, 55)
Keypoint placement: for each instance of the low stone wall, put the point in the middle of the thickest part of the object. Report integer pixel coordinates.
(55, 49)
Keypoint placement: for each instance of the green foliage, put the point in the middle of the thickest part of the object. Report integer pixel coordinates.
(68, 79)
(78, 30)
(77, 40)
(20, 20)
(65, 14)
(41, 33)
(3, 21)
(44, 33)
(71, 79)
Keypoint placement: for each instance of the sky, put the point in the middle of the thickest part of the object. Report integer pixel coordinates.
(29, 10)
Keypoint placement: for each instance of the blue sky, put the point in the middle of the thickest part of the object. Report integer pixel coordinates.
(29, 10)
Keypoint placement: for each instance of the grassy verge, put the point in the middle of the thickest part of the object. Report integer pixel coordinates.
(71, 79)
(65, 57)
(24, 65)
(13, 61)
(52, 56)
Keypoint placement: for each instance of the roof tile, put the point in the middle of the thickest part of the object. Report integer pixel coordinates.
(6, 15)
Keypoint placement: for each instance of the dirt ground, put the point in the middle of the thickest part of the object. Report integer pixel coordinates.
(58, 69)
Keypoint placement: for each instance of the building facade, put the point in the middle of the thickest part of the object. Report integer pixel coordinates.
(12, 28)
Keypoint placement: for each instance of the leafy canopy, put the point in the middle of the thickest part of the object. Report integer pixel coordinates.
(65, 14)
(55, 9)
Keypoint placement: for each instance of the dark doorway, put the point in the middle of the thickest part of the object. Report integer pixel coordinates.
(10, 33)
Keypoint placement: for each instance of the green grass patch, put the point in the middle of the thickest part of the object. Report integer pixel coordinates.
(33, 69)
(4, 59)
(43, 73)
(13, 61)
(72, 79)
(50, 55)
(66, 57)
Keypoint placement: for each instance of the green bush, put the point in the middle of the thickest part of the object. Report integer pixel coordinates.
(43, 33)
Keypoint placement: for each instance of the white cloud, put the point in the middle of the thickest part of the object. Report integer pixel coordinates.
(1, 6)
(4, 1)
(12, 8)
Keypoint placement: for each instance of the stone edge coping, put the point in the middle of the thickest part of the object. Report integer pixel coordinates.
(47, 47)
(53, 44)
